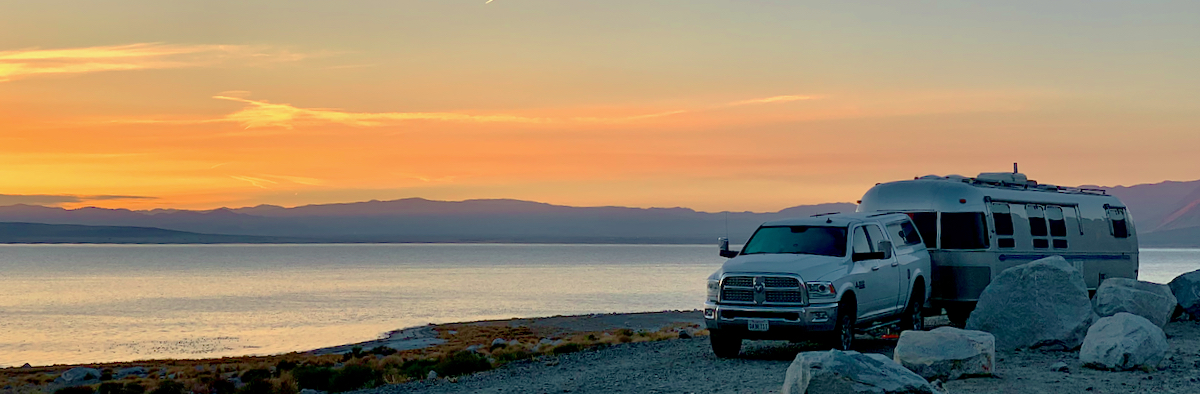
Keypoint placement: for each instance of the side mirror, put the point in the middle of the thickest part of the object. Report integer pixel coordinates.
(886, 248)
(723, 247)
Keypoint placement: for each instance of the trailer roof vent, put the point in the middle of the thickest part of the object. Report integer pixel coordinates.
(1003, 178)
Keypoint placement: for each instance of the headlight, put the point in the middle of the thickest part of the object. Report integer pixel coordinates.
(714, 290)
(821, 290)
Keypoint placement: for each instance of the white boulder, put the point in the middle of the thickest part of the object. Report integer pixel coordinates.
(838, 372)
(947, 353)
(1186, 289)
(78, 376)
(1122, 342)
(1152, 301)
(1041, 304)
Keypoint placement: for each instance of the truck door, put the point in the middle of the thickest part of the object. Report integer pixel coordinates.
(889, 270)
(877, 278)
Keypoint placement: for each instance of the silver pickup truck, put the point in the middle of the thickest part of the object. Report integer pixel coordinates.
(821, 277)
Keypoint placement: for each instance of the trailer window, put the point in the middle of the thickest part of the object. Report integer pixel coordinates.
(1058, 223)
(1002, 217)
(964, 230)
(1037, 220)
(927, 225)
(1117, 223)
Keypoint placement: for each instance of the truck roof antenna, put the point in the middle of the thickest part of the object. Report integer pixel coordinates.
(1015, 168)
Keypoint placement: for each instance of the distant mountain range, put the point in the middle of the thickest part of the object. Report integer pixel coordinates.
(1166, 214)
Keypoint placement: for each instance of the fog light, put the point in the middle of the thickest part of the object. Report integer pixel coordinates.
(820, 316)
(710, 313)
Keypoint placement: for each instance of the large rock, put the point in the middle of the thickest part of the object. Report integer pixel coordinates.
(1186, 289)
(78, 376)
(1152, 301)
(1041, 304)
(1122, 342)
(837, 372)
(947, 353)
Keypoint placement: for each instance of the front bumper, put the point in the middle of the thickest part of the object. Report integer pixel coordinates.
(784, 322)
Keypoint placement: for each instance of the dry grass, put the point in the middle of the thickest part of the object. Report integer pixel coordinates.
(208, 375)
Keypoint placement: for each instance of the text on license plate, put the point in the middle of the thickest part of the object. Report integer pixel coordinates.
(758, 325)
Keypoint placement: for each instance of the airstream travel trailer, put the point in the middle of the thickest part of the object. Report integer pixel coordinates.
(977, 227)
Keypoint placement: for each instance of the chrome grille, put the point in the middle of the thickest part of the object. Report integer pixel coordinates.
(775, 281)
(737, 295)
(739, 281)
(786, 296)
(762, 290)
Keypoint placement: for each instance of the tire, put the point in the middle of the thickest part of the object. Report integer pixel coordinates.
(912, 319)
(725, 345)
(958, 316)
(842, 337)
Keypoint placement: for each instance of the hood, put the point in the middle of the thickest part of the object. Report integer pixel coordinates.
(808, 266)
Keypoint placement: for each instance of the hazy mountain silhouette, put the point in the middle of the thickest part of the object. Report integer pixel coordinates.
(71, 233)
(1167, 214)
(421, 220)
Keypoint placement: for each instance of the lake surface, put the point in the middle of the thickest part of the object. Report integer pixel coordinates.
(93, 303)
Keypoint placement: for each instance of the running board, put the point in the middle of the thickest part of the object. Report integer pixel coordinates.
(879, 325)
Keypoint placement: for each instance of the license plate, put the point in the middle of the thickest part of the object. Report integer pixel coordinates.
(758, 325)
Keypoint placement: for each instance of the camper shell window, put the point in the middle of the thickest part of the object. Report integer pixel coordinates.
(964, 230)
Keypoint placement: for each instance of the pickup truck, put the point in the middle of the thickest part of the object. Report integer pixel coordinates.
(819, 278)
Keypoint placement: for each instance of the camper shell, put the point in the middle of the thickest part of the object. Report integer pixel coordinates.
(977, 227)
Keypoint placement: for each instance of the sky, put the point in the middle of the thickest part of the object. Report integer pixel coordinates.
(750, 105)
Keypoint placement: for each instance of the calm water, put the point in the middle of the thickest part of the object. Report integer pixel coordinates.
(77, 304)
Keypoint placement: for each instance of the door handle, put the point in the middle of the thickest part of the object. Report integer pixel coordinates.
(895, 263)
(875, 268)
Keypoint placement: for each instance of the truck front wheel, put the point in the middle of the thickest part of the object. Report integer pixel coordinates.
(725, 345)
(842, 337)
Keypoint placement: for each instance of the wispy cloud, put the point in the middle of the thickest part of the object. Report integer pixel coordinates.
(265, 114)
(256, 182)
(265, 181)
(143, 56)
(769, 100)
(59, 199)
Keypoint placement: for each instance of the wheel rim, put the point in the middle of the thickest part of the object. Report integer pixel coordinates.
(847, 333)
(916, 321)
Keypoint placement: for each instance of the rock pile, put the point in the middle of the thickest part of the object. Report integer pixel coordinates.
(79, 376)
(836, 372)
(1042, 304)
(1124, 341)
(947, 353)
(1152, 301)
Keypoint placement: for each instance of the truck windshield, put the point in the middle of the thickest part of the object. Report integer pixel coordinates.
(820, 240)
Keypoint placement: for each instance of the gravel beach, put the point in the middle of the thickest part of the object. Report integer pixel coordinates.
(688, 366)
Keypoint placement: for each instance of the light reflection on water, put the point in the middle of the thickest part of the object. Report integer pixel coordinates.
(78, 304)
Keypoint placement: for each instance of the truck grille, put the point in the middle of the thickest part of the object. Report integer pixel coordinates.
(762, 290)
(784, 296)
(737, 295)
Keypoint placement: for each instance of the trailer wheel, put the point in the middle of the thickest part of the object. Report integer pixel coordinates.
(958, 316)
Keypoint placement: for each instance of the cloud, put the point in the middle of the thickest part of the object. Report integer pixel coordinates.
(265, 114)
(769, 100)
(263, 181)
(143, 56)
(59, 199)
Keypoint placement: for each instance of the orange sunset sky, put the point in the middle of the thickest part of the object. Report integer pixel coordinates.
(713, 105)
